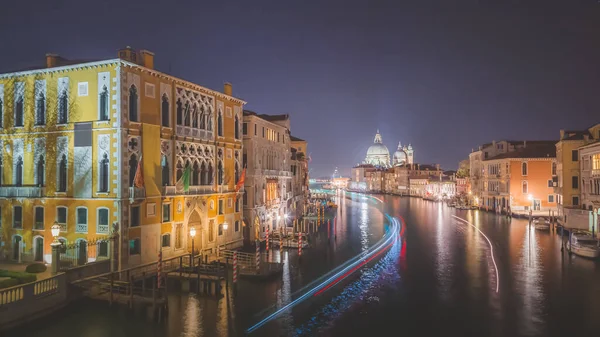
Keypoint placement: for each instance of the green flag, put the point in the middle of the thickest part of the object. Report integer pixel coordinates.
(183, 184)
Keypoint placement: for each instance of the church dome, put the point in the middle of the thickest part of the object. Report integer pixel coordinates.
(399, 156)
(378, 154)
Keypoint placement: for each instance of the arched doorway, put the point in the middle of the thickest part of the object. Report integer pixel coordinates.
(16, 244)
(38, 248)
(194, 221)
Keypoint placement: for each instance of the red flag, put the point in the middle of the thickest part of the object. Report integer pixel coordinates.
(240, 182)
(138, 180)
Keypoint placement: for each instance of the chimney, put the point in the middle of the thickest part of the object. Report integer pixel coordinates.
(437, 166)
(147, 58)
(227, 88)
(586, 138)
(524, 143)
(562, 134)
(51, 60)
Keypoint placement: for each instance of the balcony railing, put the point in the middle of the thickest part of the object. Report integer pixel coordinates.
(595, 173)
(102, 229)
(193, 190)
(188, 131)
(137, 193)
(81, 228)
(24, 191)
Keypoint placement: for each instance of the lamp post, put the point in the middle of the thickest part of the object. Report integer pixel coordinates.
(55, 230)
(192, 235)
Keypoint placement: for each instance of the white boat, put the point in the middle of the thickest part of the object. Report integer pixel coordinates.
(584, 245)
(542, 224)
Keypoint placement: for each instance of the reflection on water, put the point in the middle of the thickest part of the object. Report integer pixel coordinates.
(438, 282)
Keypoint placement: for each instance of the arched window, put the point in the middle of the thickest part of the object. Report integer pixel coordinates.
(524, 187)
(210, 174)
(133, 163)
(165, 171)
(237, 127)
(133, 104)
(186, 114)
(19, 172)
(165, 110)
(202, 118)
(203, 174)
(103, 178)
(209, 122)
(166, 240)
(40, 110)
(63, 106)
(220, 124)
(524, 168)
(19, 112)
(179, 113)
(39, 179)
(195, 116)
(104, 104)
(220, 172)
(179, 170)
(195, 174)
(62, 174)
(553, 168)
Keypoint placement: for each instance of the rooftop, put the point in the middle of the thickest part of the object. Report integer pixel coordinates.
(534, 149)
(270, 118)
(296, 139)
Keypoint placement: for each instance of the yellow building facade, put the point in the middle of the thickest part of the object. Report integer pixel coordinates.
(71, 140)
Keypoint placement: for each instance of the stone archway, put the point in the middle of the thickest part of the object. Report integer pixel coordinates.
(195, 221)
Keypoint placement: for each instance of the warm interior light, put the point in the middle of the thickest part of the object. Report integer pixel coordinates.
(192, 231)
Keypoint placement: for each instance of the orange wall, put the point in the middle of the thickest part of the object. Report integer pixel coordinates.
(538, 174)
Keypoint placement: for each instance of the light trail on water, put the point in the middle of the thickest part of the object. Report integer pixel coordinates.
(491, 248)
(341, 272)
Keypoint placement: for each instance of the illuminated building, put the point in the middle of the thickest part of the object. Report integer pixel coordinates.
(378, 154)
(73, 135)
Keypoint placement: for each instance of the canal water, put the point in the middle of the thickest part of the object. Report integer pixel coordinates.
(485, 276)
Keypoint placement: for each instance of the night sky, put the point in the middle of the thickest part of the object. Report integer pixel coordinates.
(444, 78)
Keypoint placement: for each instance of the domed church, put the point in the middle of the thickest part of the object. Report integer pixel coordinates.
(379, 155)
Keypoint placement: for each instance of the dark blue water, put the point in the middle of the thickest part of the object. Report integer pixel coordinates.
(440, 281)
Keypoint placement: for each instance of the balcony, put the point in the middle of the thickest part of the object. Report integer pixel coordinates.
(24, 191)
(137, 193)
(102, 229)
(81, 228)
(193, 190)
(187, 131)
(596, 173)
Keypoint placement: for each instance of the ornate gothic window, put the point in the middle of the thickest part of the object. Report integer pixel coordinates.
(210, 174)
(104, 104)
(39, 179)
(179, 113)
(133, 104)
(165, 171)
(220, 173)
(165, 110)
(19, 112)
(40, 110)
(209, 122)
(104, 176)
(202, 118)
(195, 116)
(63, 106)
(179, 170)
(220, 124)
(195, 174)
(524, 168)
(186, 114)
(62, 174)
(133, 163)
(203, 174)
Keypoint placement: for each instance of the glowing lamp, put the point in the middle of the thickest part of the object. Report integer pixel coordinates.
(55, 230)
(225, 226)
(285, 216)
(530, 197)
(192, 231)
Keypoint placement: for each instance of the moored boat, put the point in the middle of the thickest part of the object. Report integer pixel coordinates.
(584, 245)
(541, 223)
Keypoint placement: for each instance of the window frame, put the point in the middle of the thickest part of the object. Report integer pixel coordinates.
(139, 246)
(21, 216)
(168, 204)
(575, 182)
(574, 155)
(524, 168)
(139, 215)
(524, 186)
(221, 206)
(162, 240)
(87, 219)
(551, 198)
(98, 219)
(66, 217)
(35, 214)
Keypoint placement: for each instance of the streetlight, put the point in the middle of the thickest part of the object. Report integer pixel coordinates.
(55, 230)
(224, 226)
(192, 234)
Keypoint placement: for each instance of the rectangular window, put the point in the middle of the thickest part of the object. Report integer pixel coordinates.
(166, 240)
(134, 217)
(61, 218)
(575, 182)
(237, 225)
(575, 155)
(263, 132)
(39, 218)
(166, 215)
(82, 89)
(149, 90)
(237, 204)
(82, 220)
(229, 203)
(221, 208)
(220, 229)
(245, 129)
(575, 201)
(524, 186)
(17, 217)
(102, 221)
(550, 197)
(135, 246)
(485, 155)
(255, 133)
(550, 184)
